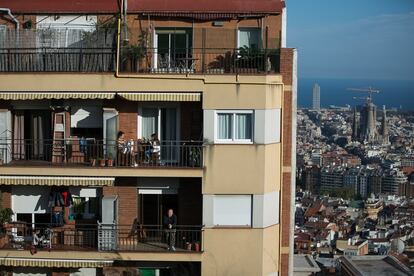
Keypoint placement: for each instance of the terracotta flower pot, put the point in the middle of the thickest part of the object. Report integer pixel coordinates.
(110, 162)
(102, 162)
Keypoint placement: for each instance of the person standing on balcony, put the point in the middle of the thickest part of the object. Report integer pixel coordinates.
(170, 224)
(153, 150)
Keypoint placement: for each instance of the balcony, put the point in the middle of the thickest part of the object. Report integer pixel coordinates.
(57, 60)
(104, 238)
(199, 61)
(100, 153)
(58, 50)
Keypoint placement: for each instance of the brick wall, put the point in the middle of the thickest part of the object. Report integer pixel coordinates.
(5, 196)
(128, 118)
(286, 70)
(127, 202)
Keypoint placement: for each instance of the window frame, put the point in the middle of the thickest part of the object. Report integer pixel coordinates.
(250, 29)
(233, 139)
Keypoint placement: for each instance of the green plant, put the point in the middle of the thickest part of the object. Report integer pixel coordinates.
(138, 51)
(28, 24)
(5, 215)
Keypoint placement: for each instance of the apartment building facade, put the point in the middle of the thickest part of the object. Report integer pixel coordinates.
(112, 113)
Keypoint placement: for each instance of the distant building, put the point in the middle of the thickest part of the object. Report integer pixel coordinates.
(331, 178)
(316, 97)
(392, 180)
(368, 129)
(311, 177)
(384, 127)
(351, 247)
(305, 265)
(373, 265)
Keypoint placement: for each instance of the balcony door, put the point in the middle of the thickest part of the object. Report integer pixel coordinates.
(164, 122)
(110, 131)
(5, 136)
(172, 48)
(154, 204)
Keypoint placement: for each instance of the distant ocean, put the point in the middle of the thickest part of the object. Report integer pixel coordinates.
(394, 93)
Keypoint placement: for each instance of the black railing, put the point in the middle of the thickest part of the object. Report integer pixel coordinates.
(93, 237)
(100, 153)
(201, 61)
(57, 60)
(146, 61)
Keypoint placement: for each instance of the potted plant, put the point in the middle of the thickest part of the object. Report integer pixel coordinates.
(5, 217)
(102, 162)
(110, 161)
(133, 54)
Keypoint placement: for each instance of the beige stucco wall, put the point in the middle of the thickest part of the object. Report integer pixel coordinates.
(241, 169)
(107, 82)
(240, 251)
(242, 96)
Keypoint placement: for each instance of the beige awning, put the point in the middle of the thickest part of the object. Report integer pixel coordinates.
(161, 97)
(56, 180)
(14, 96)
(66, 263)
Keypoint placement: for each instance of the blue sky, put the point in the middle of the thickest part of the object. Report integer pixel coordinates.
(353, 39)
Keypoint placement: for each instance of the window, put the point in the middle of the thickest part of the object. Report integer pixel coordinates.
(172, 47)
(234, 127)
(232, 210)
(249, 37)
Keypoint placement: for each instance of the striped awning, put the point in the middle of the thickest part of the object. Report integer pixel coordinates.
(14, 96)
(56, 180)
(66, 263)
(161, 97)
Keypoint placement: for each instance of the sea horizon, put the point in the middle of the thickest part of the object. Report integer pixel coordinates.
(393, 93)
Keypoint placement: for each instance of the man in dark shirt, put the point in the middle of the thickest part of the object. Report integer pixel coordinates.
(170, 223)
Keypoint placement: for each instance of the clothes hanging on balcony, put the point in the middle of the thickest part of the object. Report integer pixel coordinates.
(56, 199)
(57, 218)
(83, 145)
(67, 199)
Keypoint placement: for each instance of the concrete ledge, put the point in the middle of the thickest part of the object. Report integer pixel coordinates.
(114, 172)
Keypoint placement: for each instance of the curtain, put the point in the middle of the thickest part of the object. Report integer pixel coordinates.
(243, 126)
(38, 136)
(249, 38)
(18, 136)
(224, 126)
(149, 122)
(169, 150)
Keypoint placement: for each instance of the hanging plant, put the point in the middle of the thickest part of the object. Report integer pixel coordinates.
(28, 24)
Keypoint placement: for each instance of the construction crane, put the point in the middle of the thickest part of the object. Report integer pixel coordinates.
(368, 90)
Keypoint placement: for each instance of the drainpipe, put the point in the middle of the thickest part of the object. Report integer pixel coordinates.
(12, 17)
(125, 7)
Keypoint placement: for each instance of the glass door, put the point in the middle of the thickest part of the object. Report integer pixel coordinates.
(172, 48)
(5, 137)
(110, 118)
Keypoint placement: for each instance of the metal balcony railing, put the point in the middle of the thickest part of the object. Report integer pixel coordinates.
(94, 237)
(101, 153)
(57, 60)
(200, 60)
(145, 61)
